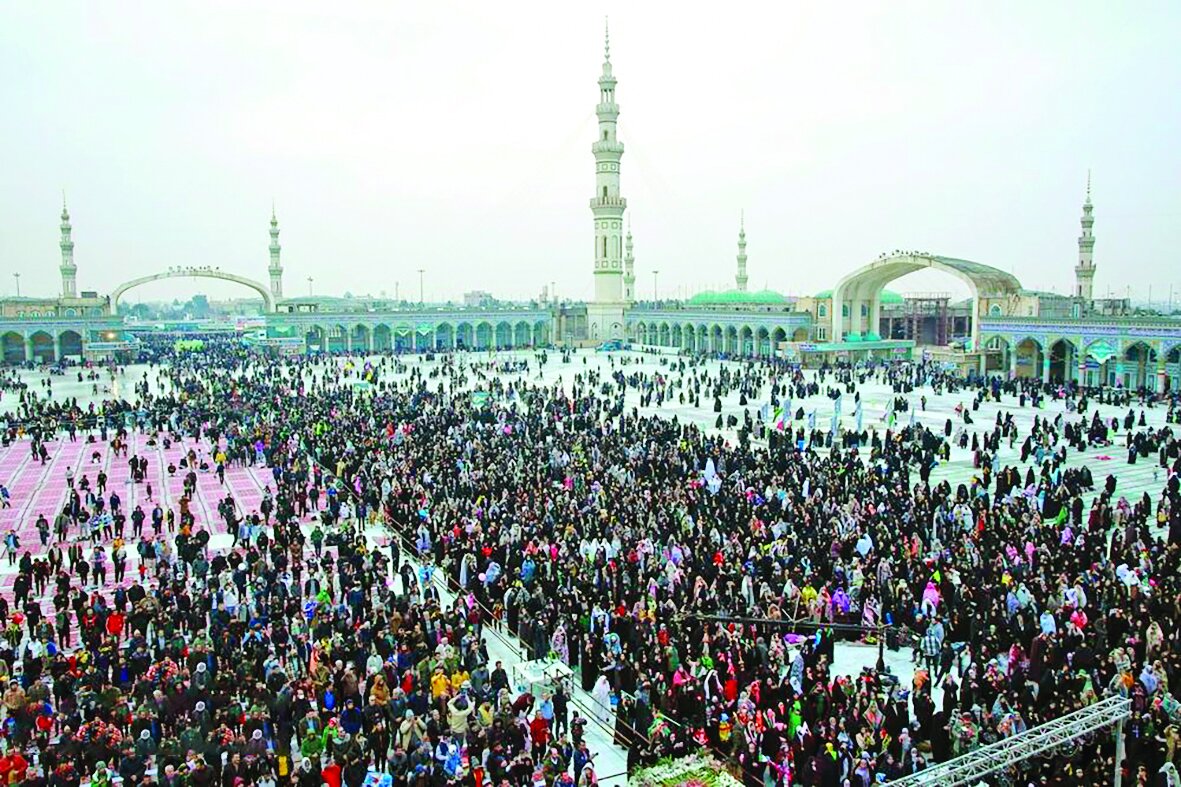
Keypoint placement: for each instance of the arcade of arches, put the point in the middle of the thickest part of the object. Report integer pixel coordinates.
(743, 340)
(481, 335)
(42, 346)
(1148, 364)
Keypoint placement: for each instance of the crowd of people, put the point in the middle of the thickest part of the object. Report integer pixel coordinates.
(697, 585)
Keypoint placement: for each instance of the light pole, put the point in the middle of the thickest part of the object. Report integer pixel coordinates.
(309, 286)
(421, 300)
(397, 297)
(654, 290)
(17, 276)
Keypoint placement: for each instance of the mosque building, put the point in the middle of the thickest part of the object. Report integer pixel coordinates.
(1001, 328)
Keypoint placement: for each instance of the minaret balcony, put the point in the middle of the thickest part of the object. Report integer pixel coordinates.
(612, 146)
(608, 202)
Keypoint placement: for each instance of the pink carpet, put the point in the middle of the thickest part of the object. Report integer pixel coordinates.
(41, 489)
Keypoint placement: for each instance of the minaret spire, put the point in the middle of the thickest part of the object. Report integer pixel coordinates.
(608, 206)
(1084, 271)
(276, 267)
(69, 270)
(741, 279)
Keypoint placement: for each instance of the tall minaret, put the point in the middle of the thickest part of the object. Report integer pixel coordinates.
(629, 267)
(741, 278)
(68, 269)
(607, 205)
(276, 268)
(1084, 272)
(606, 317)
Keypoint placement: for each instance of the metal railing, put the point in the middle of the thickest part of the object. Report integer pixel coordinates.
(1041, 740)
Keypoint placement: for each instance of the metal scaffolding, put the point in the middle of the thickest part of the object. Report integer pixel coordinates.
(923, 308)
(1043, 739)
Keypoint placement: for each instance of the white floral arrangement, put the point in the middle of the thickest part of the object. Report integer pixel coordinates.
(694, 771)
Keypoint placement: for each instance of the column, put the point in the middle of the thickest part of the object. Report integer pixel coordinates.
(835, 307)
(1045, 367)
(1162, 375)
(1081, 360)
(1119, 372)
(57, 347)
(28, 348)
(1012, 362)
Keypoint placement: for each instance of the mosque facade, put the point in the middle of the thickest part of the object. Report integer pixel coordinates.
(1002, 328)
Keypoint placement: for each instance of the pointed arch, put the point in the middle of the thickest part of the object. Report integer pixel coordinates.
(863, 287)
(14, 347)
(485, 334)
(70, 343)
(359, 338)
(521, 334)
(504, 335)
(42, 343)
(746, 340)
(382, 338)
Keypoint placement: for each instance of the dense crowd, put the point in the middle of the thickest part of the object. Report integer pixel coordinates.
(698, 586)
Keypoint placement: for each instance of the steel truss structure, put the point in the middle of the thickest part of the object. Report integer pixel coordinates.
(1045, 738)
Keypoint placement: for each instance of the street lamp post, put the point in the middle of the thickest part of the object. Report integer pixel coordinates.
(420, 298)
(17, 276)
(309, 286)
(655, 292)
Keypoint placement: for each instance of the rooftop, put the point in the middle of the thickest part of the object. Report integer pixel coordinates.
(737, 297)
(888, 296)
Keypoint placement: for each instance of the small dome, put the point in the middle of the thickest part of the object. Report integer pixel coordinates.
(888, 296)
(736, 297)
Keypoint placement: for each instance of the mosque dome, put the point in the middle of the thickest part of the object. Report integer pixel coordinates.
(888, 296)
(737, 297)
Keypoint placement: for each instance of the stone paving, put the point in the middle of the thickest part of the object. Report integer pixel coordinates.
(36, 488)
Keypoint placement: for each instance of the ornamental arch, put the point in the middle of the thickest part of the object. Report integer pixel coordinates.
(194, 273)
(857, 302)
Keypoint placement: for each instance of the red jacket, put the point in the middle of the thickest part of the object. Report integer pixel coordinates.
(331, 775)
(539, 731)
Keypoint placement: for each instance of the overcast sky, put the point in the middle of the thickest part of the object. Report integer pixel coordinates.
(456, 137)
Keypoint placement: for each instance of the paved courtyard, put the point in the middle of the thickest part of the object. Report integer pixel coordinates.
(41, 489)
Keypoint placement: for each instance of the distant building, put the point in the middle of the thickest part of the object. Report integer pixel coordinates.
(478, 299)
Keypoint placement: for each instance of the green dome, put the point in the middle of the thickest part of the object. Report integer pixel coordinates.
(736, 297)
(888, 296)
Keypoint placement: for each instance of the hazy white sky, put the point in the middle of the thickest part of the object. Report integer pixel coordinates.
(455, 137)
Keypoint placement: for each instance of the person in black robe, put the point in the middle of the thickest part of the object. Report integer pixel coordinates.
(590, 661)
